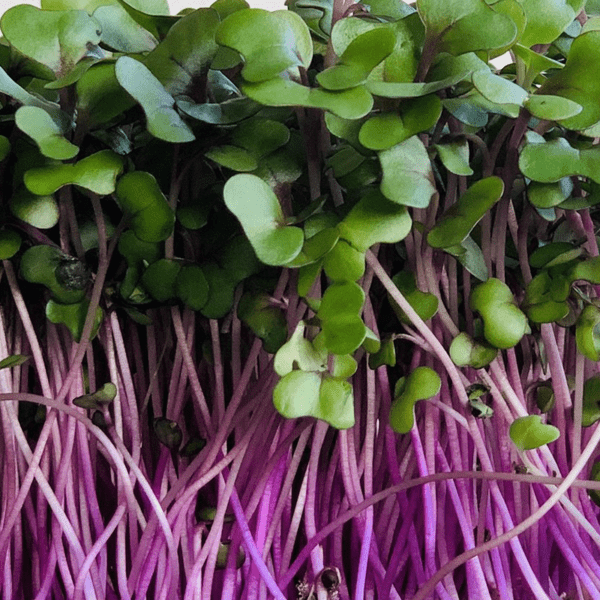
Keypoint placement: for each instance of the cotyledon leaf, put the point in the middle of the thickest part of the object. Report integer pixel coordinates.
(407, 174)
(61, 40)
(164, 121)
(257, 208)
(348, 104)
(48, 136)
(270, 42)
(97, 173)
(547, 19)
(548, 162)
(459, 26)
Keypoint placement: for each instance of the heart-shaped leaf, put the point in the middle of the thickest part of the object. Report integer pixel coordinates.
(579, 81)
(40, 211)
(407, 175)
(159, 279)
(299, 353)
(121, 32)
(374, 220)
(48, 136)
(467, 352)
(549, 195)
(221, 290)
(61, 40)
(528, 433)
(302, 394)
(270, 42)
(503, 323)
(268, 322)
(546, 20)
(74, 316)
(545, 298)
(97, 173)
(348, 104)
(423, 383)
(191, 287)
(548, 162)
(552, 108)
(497, 89)
(459, 26)
(424, 303)
(100, 98)
(361, 56)
(181, 61)
(388, 129)
(163, 121)
(39, 265)
(386, 355)
(10, 242)
(587, 333)
(455, 157)
(458, 221)
(344, 263)
(104, 395)
(257, 208)
(139, 196)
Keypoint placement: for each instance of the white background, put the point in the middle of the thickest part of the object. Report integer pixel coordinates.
(176, 5)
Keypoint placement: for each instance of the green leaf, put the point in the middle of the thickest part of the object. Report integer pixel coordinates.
(547, 19)
(552, 108)
(139, 196)
(225, 113)
(388, 129)
(545, 298)
(550, 254)
(61, 40)
(181, 61)
(48, 136)
(388, 89)
(455, 157)
(548, 195)
(163, 121)
(424, 303)
(191, 287)
(15, 360)
(10, 242)
(270, 42)
(221, 291)
(344, 263)
(97, 173)
(257, 208)
(459, 26)
(467, 352)
(548, 162)
(361, 56)
(267, 322)
(302, 394)
(100, 98)
(587, 332)
(104, 395)
(460, 219)
(374, 220)
(348, 104)
(579, 81)
(423, 383)
(386, 355)
(168, 432)
(39, 265)
(260, 136)
(407, 175)
(534, 62)
(40, 211)
(470, 256)
(341, 298)
(591, 401)
(121, 32)
(528, 433)
(73, 316)
(12, 89)
(497, 89)
(503, 323)
(159, 279)
(232, 157)
(299, 353)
